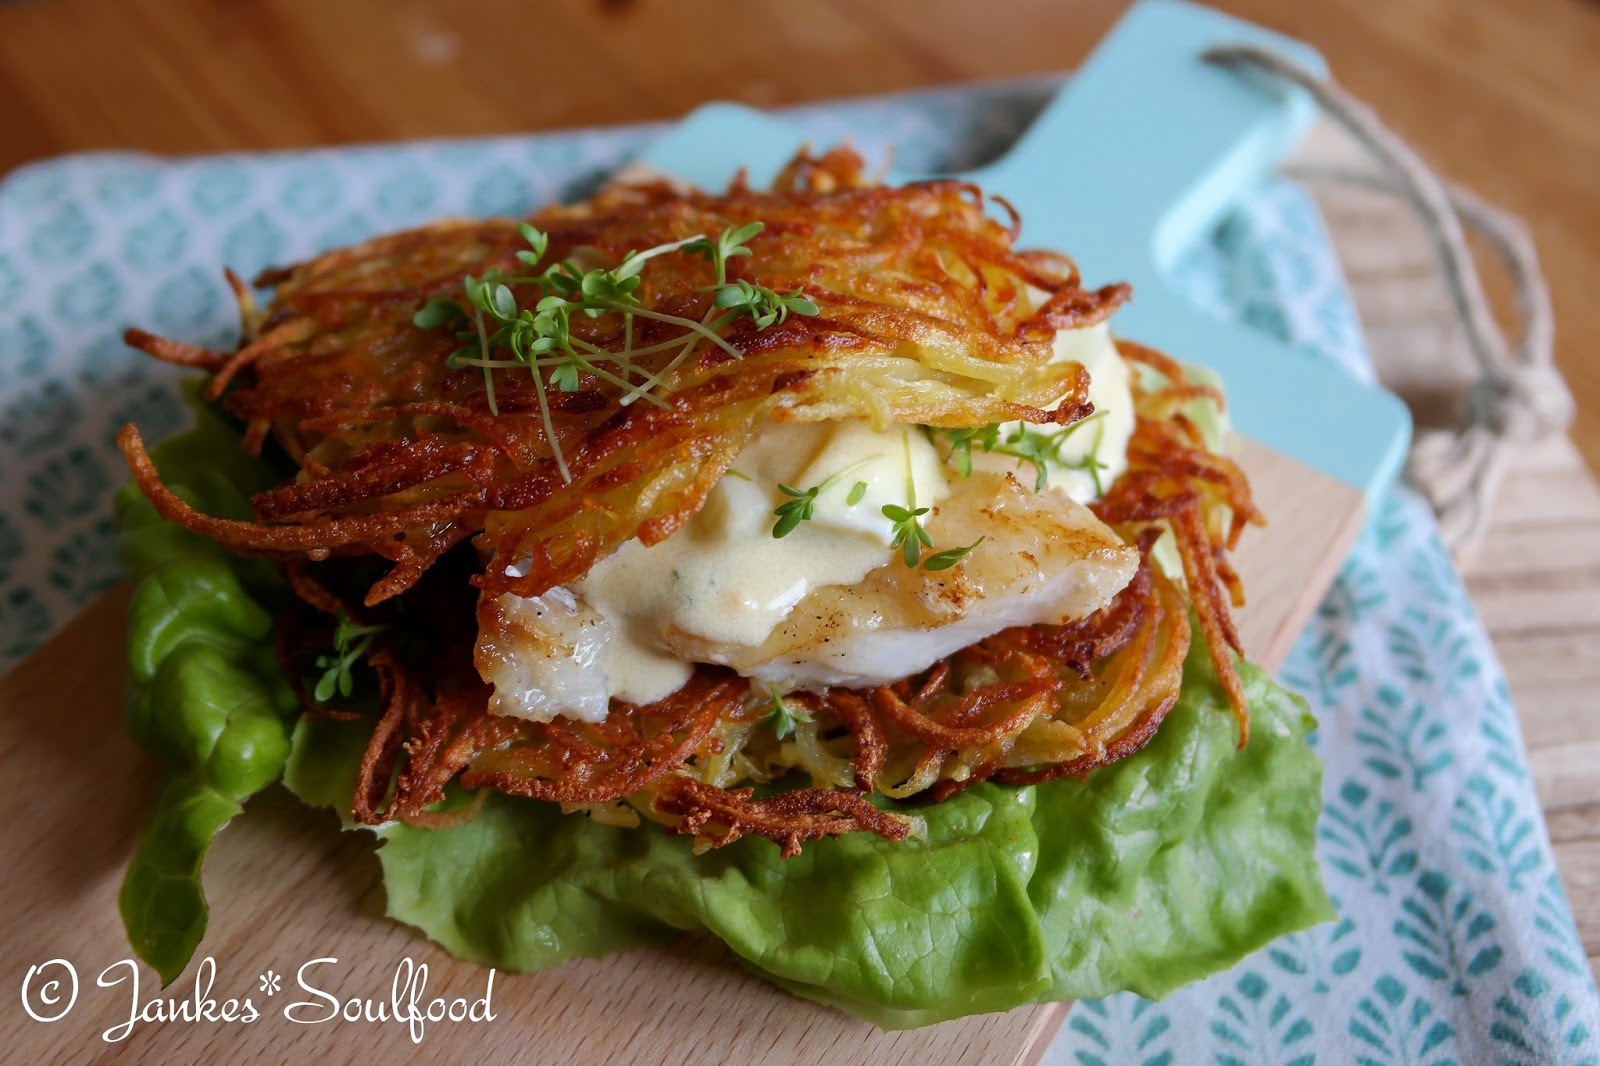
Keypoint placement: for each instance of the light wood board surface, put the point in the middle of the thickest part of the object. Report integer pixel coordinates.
(287, 887)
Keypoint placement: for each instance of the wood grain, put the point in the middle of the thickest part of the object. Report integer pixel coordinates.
(1536, 580)
(289, 887)
(1498, 94)
(1311, 517)
(1535, 577)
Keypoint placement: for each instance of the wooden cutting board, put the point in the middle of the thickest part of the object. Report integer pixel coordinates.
(289, 888)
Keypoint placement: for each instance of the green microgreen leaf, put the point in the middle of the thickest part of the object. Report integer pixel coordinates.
(483, 353)
(909, 536)
(960, 443)
(499, 302)
(1026, 445)
(797, 510)
(1091, 463)
(562, 279)
(537, 240)
(908, 533)
(782, 717)
(350, 643)
(950, 556)
(801, 507)
(439, 311)
(730, 244)
(603, 289)
(629, 268)
(858, 491)
(764, 306)
(565, 376)
(497, 333)
(1031, 446)
(738, 294)
(734, 239)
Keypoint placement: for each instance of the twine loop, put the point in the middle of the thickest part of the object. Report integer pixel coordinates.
(1519, 395)
(1528, 405)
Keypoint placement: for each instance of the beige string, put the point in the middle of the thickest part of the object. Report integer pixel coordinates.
(1519, 395)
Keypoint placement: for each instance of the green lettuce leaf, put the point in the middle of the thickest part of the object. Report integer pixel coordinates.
(204, 689)
(1164, 867)
(1148, 874)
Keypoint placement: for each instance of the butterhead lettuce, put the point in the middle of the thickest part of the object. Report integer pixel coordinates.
(1149, 873)
(204, 690)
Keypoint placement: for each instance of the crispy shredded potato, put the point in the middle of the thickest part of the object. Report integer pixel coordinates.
(924, 317)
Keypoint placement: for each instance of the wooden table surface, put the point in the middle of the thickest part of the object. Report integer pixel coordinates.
(1501, 95)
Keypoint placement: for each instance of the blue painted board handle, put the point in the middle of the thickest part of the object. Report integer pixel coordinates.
(1140, 155)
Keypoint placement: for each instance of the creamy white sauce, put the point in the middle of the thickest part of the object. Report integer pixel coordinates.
(724, 579)
(1103, 436)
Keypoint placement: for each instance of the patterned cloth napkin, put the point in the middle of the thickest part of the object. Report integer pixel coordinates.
(1456, 943)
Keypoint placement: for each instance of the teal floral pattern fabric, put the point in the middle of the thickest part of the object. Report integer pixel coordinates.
(1455, 942)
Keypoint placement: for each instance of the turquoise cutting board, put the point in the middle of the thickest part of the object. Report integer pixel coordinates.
(1139, 155)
